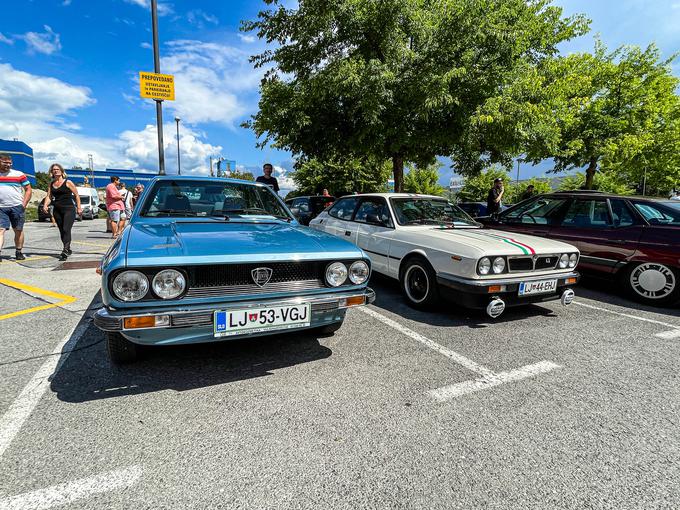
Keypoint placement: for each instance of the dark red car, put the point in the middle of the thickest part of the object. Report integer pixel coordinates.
(634, 241)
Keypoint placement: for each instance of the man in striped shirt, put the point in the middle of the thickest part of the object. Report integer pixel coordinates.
(13, 202)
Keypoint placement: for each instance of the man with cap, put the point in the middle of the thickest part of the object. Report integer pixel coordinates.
(493, 200)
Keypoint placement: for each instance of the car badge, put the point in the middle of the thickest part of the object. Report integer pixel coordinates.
(261, 275)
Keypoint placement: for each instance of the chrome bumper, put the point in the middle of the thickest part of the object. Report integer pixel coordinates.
(469, 282)
(202, 316)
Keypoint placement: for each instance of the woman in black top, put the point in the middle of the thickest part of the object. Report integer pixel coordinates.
(64, 198)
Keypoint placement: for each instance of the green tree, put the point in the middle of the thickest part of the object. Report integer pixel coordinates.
(423, 180)
(42, 180)
(603, 181)
(476, 187)
(246, 176)
(394, 80)
(516, 192)
(311, 176)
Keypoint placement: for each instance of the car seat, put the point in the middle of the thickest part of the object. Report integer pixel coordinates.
(177, 202)
(233, 203)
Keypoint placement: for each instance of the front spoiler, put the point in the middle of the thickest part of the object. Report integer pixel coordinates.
(113, 320)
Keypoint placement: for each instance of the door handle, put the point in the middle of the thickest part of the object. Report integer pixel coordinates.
(348, 233)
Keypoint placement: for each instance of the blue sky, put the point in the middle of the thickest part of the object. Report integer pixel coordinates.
(68, 76)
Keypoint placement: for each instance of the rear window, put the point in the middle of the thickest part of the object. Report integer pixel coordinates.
(667, 213)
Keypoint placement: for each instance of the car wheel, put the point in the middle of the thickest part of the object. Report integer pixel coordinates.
(652, 283)
(419, 283)
(120, 349)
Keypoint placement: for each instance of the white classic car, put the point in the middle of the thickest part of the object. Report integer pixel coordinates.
(434, 248)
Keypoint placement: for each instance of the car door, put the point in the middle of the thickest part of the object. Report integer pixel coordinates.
(588, 224)
(339, 220)
(373, 219)
(535, 217)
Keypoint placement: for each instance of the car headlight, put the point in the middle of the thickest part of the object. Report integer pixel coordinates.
(573, 259)
(130, 286)
(484, 265)
(168, 284)
(564, 261)
(358, 272)
(336, 274)
(498, 265)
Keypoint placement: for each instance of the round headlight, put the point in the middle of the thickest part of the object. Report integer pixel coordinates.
(358, 272)
(484, 266)
(498, 265)
(336, 274)
(130, 286)
(564, 261)
(168, 284)
(573, 259)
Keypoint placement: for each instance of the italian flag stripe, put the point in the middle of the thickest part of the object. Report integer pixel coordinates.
(526, 249)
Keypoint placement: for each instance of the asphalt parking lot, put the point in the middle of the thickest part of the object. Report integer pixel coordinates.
(545, 407)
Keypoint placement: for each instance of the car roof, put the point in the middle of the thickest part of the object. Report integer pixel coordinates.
(603, 194)
(394, 195)
(175, 177)
(311, 196)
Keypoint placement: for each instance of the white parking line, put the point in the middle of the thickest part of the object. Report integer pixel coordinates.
(669, 335)
(628, 315)
(69, 492)
(19, 411)
(489, 378)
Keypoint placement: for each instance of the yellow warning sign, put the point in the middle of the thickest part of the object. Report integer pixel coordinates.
(157, 86)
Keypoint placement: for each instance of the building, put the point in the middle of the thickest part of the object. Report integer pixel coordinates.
(22, 157)
(84, 176)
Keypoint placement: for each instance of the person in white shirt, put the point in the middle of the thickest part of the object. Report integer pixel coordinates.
(15, 193)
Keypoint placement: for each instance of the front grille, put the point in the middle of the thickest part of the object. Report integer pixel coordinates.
(252, 289)
(520, 264)
(546, 262)
(227, 275)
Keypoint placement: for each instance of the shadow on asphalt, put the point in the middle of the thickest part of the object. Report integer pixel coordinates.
(86, 374)
(447, 314)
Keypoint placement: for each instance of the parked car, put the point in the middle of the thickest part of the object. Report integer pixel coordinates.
(633, 241)
(89, 201)
(432, 246)
(43, 216)
(207, 259)
(305, 209)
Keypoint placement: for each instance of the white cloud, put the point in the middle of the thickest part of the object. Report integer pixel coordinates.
(163, 8)
(5, 39)
(146, 45)
(47, 42)
(199, 18)
(66, 3)
(283, 177)
(212, 81)
(247, 38)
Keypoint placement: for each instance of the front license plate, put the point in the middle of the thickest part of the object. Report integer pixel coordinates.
(257, 320)
(539, 287)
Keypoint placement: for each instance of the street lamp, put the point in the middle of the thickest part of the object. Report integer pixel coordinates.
(177, 119)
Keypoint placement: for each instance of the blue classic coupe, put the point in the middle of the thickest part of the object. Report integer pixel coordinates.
(206, 259)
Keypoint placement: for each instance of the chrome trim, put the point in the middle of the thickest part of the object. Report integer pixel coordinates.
(507, 281)
(112, 320)
(252, 289)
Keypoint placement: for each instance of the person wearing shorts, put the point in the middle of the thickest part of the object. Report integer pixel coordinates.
(15, 193)
(114, 205)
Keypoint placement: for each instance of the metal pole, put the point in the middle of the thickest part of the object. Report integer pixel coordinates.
(159, 102)
(644, 183)
(518, 171)
(179, 171)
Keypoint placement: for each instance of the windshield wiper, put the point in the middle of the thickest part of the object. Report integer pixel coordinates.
(178, 212)
(257, 210)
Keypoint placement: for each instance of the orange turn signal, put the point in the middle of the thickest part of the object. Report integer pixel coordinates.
(571, 281)
(495, 288)
(140, 322)
(355, 301)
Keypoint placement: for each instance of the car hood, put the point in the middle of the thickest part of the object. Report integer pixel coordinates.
(181, 243)
(477, 242)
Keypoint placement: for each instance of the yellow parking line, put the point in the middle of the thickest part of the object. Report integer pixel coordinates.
(27, 259)
(63, 298)
(92, 244)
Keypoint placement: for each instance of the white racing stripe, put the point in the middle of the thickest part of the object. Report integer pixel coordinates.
(65, 493)
(19, 411)
(488, 379)
(627, 315)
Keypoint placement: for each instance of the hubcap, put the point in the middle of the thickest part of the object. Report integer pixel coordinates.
(653, 281)
(416, 284)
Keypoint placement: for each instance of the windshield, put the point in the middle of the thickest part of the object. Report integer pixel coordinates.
(203, 198)
(430, 211)
(84, 199)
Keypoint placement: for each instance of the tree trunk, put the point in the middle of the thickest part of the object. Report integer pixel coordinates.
(398, 172)
(590, 172)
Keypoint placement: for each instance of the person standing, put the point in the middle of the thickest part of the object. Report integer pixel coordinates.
(495, 197)
(136, 194)
(267, 178)
(528, 193)
(127, 204)
(64, 198)
(13, 202)
(114, 205)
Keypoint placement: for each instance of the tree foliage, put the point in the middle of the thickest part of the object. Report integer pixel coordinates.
(603, 181)
(42, 181)
(246, 176)
(395, 80)
(476, 187)
(423, 180)
(340, 176)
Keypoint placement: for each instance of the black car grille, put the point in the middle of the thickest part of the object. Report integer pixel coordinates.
(547, 262)
(517, 264)
(521, 264)
(224, 275)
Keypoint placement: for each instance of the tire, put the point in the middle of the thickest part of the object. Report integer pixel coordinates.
(418, 283)
(120, 349)
(652, 283)
(330, 329)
